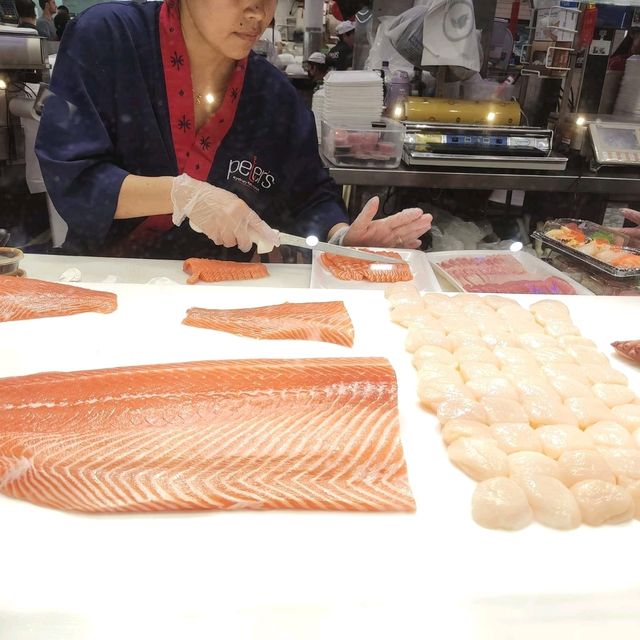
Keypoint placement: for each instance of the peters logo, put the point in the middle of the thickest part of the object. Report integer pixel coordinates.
(248, 173)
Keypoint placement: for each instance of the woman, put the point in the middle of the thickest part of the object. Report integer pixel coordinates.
(145, 92)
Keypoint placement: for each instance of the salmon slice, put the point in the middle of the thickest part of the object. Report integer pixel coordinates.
(318, 434)
(25, 298)
(324, 321)
(353, 269)
(205, 270)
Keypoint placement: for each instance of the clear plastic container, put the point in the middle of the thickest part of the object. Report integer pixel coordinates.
(377, 145)
(10, 261)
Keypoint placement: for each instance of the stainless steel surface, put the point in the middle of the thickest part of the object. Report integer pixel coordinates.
(548, 163)
(21, 51)
(298, 241)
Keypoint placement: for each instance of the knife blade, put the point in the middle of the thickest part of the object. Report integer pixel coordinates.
(313, 244)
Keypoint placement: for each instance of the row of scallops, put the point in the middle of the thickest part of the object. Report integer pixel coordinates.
(528, 408)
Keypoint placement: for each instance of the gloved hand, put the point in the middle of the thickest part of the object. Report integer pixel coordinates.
(220, 214)
(632, 232)
(399, 230)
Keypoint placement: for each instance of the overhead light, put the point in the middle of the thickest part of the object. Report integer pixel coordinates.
(580, 121)
(397, 113)
(311, 241)
(491, 116)
(3, 85)
(209, 98)
(516, 246)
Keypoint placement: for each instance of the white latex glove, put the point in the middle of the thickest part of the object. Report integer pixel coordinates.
(632, 232)
(399, 230)
(220, 215)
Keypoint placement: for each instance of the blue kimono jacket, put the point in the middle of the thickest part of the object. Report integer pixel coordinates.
(108, 116)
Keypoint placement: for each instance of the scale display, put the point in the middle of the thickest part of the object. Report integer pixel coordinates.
(617, 143)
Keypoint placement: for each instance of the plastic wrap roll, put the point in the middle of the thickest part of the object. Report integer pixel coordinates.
(491, 112)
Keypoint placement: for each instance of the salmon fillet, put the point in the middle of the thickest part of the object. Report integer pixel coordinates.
(346, 268)
(205, 270)
(237, 434)
(324, 321)
(25, 298)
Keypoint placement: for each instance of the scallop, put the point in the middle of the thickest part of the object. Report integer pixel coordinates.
(428, 353)
(551, 502)
(541, 410)
(588, 411)
(603, 502)
(460, 339)
(603, 373)
(503, 410)
(441, 307)
(535, 387)
(402, 293)
(517, 314)
(426, 321)
(433, 393)
(439, 370)
(515, 436)
(576, 341)
(623, 461)
(535, 341)
(494, 386)
(568, 387)
(514, 356)
(403, 314)
(479, 458)
(636, 437)
(569, 370)
(461, 408)
(457, 322)
(497, 302)
(633, 486)
(473, 370)
(455, 429)
(475, 354)
(584, 464)
(419, 337)
(531, 463)
(587, 355)
(499, 503)
(521, 372)
(499, 339)
(558, 438)
(551, 355)
(628, 415)
(492, 324)
(558, 329)
(549, 311)
(609, 434)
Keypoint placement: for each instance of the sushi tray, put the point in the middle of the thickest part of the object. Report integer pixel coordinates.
(487, 271)
(596, 247)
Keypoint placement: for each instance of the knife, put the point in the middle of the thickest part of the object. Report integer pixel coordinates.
(314, 244)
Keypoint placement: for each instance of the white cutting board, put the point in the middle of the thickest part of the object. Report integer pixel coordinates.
(301, 575)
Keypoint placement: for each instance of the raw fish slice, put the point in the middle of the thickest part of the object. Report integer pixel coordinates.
(26, 298)
(497, 302)
(512, 437)
(558, 329)
(603, 502)
(551, 502)
(431, 298)
(253, 434)
(522, 373)
(536, 386)
(424, 321)
(584, 464)
(568, 387)
(439, 371)
(495, 386)
(576, 341)
(479, 458)
(419, 337)
(441, 305)
(547, 311)
(405, 314)
(433, 393)
(206, 270)
(455, 429)
(609, 434)
(623, 461)
(322, 321)
(428, 353)
(492, 324)
(629, 349)
(458, 322)
(461, 339)
(458, 408)
(588, 411)
(535, 341)
(475, 354)
(633, 487)
(345, 268)
(402, 293)
(628, 415)
(470, 301)
(551, 355)
(558, 438)
(524, 464)
(606, 374)
(574, 371)
(499, 339)
(514, 356)
(499, 503)
(473, 370)
(541, 411)
(587, 355)
(503, 410)
(517, 314)
(613, 394)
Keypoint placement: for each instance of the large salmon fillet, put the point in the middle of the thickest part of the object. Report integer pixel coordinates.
(25, 298)
(346, 268)
(235, 434)
(324, 321)
(208, 270)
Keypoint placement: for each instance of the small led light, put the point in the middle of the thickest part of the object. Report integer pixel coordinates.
(491, 116)
(580, 121)
(311, 241)
(209, 98)
(397, 113)
(3, 84)
(516, 246)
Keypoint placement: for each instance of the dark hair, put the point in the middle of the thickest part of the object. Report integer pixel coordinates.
(60, 22)
(26, 8)
(63, 9)
(42, 3)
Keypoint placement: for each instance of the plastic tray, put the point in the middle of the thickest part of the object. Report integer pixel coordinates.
(534, 266)
(9, 260)
(589, 229)
(423, 276)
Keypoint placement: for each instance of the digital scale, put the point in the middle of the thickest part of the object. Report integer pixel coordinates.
(480, 146)
(615, 143)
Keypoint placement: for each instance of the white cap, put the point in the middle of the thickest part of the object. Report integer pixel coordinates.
(345, 27)
(317, 57)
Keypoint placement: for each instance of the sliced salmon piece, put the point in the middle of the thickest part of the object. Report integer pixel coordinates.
(26, 298)
(346, 268)
(206, 270)
(236, 434)
(324, 321)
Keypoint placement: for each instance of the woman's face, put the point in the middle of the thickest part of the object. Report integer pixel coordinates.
(230, 26)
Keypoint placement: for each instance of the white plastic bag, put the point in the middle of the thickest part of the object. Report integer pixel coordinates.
(382, 49)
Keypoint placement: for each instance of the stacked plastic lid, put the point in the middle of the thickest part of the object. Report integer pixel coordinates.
(353, 98)
(628, 101)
